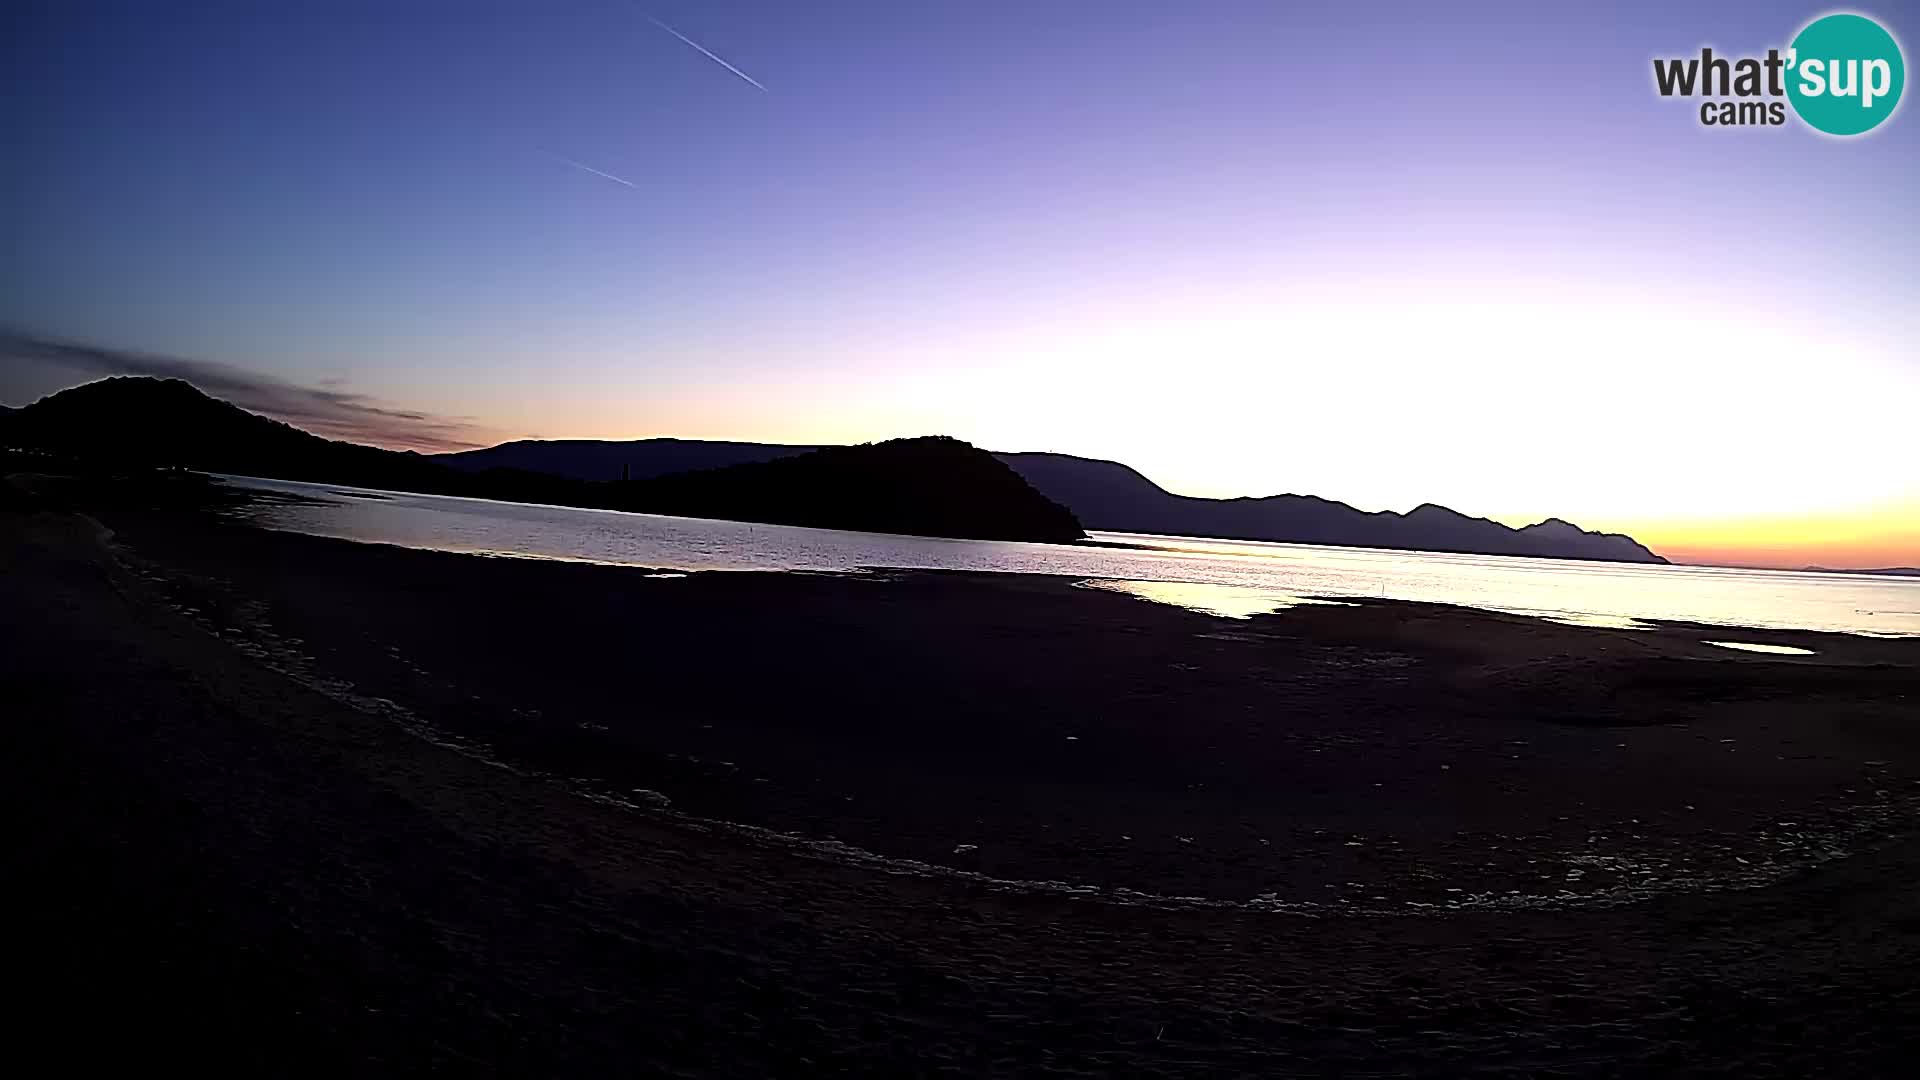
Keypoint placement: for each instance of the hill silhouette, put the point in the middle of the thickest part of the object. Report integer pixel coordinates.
(1110, 495)
(927, 486)
(136, 420)
(602, 459)
(930, 486)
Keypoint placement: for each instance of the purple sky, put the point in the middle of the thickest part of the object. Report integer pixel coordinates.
(1386, 253)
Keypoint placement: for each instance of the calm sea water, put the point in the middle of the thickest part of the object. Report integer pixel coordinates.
(1231, 578)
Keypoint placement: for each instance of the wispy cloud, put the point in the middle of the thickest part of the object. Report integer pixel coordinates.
(708, 53)
(323, 409)
(588, 168)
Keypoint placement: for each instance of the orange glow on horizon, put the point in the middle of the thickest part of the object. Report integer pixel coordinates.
(1872, 536)
(1869, 538)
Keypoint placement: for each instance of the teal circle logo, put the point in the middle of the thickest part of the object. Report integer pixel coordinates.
(1845, 74)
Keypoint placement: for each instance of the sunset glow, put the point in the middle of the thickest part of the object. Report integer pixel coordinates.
(1033, 230)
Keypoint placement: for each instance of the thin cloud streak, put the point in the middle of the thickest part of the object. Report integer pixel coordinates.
(322, 410)
(708, 53)
(588, 168)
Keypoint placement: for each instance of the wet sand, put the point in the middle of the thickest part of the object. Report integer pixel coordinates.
(307, 804)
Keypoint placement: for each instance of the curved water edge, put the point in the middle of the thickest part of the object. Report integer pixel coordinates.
(1226, 601)
(1616, 595)
(1641, 873)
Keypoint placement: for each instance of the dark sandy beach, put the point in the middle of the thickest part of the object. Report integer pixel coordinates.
(294, 804)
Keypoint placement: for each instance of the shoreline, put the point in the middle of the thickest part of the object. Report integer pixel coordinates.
(1495, 583)
(1360, 671)
(1091, 542)
(890, 711)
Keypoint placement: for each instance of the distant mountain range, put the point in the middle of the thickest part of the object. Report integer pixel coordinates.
(929, 486)
(1109, 495)
(1112, 496)
(598, 459)
(1885, 571)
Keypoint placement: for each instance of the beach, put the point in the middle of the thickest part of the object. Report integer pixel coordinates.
(301, 804)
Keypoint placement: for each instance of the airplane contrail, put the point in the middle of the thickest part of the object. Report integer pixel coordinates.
(708, 53)
(591, 169)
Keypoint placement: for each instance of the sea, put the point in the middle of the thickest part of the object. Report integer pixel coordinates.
(1228, 578)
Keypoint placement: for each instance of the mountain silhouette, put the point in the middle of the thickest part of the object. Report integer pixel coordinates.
(1109, 495)
(600, 459)
(1112, 496)
(136, 420)
(926, 486)
(930, 486)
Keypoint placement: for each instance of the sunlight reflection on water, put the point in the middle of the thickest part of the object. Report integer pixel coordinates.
(1588, 618)
(1618, 595)
(1227, 601)
(1754, 646)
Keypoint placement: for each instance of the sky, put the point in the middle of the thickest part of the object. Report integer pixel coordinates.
(1383, 253)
